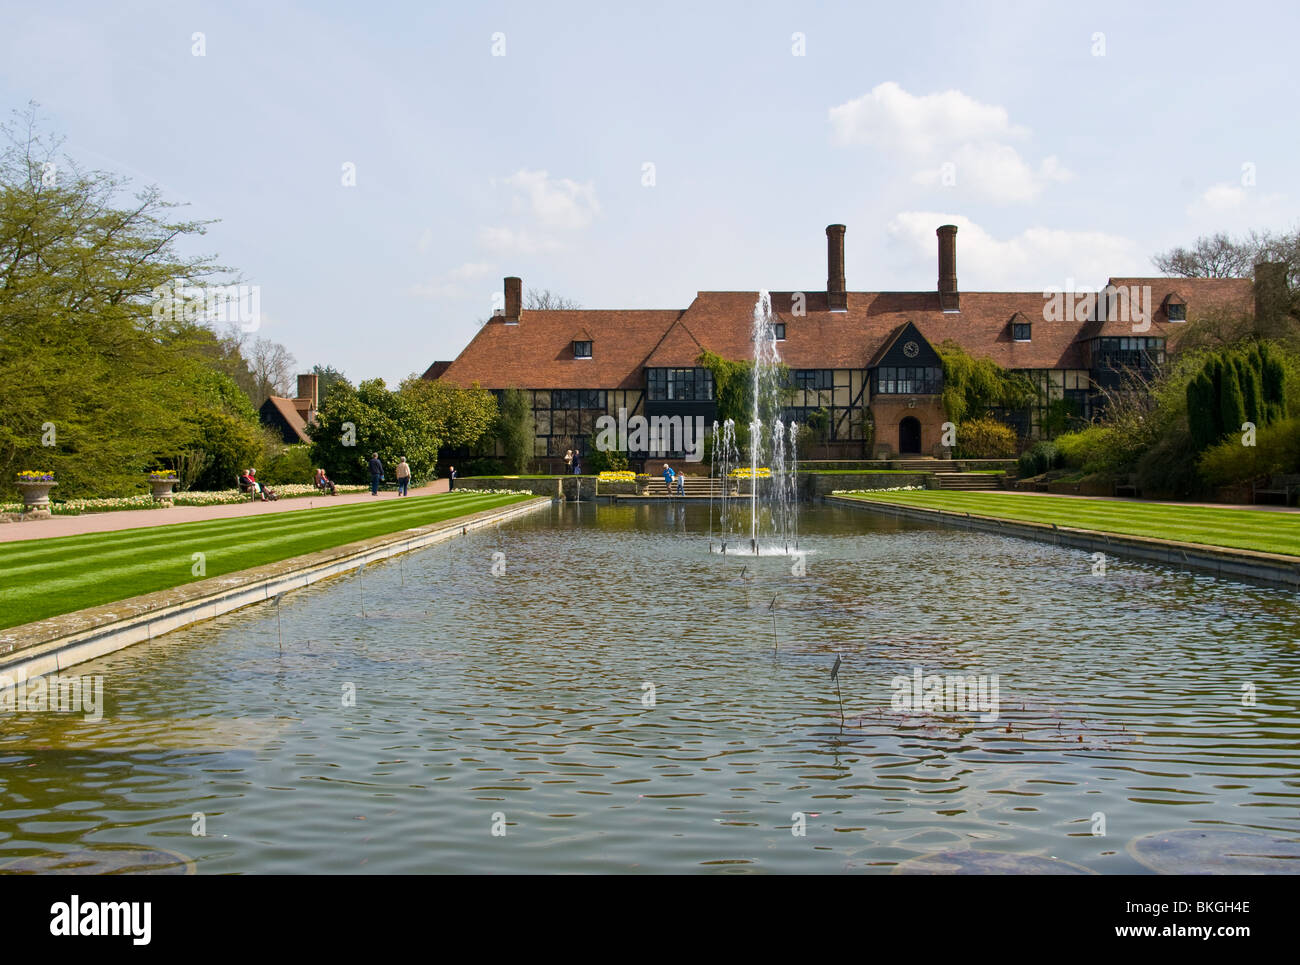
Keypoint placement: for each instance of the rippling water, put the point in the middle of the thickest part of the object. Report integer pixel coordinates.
(519, 702)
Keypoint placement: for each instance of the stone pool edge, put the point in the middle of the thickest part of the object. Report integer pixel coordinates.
(54, 644)
(1272, 568)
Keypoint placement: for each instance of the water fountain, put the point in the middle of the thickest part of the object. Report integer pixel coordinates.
(773, 463)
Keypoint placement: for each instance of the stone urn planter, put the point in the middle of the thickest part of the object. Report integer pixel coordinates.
(36, 497)
(162, 488)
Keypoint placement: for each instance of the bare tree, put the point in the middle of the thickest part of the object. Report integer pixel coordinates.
(272, 367)
(547, 300)
(542, 301)
(1222, 256)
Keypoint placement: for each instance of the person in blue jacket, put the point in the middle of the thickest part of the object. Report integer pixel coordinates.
(668, 478)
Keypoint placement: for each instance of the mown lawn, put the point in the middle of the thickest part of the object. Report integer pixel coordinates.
(1252, 529)
(47, 577)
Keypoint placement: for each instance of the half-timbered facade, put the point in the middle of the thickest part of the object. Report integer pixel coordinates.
(863, 363)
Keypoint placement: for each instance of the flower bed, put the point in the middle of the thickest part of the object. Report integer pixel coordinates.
(75, 507)
(860, 492)
(761, 473)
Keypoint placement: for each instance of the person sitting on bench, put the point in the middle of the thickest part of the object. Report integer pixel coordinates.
(323, 482)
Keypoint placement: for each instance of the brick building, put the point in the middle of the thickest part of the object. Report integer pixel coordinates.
(290, 417)
(867, 358)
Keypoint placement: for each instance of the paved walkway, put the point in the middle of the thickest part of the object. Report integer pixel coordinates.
(138, 518)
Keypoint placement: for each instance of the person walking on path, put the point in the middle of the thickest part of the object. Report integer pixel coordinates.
(681, 484)
(452, 485)
(403, 477)
(668, 479)
(568, 461)
(577, 463)
(376, 473)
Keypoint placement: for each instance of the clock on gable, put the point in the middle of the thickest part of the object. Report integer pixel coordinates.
(911, 349)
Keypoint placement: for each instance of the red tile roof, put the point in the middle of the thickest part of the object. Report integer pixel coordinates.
(538, 351)
(290, 415)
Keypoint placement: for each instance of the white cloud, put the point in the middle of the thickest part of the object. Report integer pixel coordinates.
(994, 171)
(449, 284)
(515, 241)
(1030, 261)
(1232, 207)
(892, 118)
(960, 142)
(555, 202)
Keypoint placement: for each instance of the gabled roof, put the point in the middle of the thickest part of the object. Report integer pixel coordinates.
(538, 352)
(1201, 295)
(679, 348)
(289, 418)
(852, 339)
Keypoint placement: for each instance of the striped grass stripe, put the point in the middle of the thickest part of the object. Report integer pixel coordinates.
(44, 578)
(1251, 529)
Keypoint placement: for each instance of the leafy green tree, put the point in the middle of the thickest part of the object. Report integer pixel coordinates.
(515, 431)
(95, 387)
(353, 423)
(1232, 404)
(457, 417)
(326, 378)
(1202, 411)
(973, 387)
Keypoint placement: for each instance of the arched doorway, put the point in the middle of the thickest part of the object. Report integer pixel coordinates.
(909, 436)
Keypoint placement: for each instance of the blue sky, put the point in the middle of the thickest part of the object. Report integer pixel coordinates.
(1061, 154)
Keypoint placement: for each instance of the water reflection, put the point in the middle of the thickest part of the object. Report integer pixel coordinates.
(525, 695)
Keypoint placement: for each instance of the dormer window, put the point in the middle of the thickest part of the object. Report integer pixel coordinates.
(1176, 312)
(1020, 331)
(581, 350)
(778, 331)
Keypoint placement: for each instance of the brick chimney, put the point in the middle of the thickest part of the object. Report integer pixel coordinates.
(836, 298)
(949, 299)
(309, 388)
(514, 300)
(308, 400)
(1272, 300)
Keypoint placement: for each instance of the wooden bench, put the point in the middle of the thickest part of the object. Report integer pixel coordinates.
(1280, 494)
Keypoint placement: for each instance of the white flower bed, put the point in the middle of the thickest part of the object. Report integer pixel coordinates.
(75, 507)
(868, 492)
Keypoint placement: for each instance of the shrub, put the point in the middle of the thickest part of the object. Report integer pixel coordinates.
(609, 460)
(482, 467)
(1276, 450)
(1028, 464)
(293, 465)
(1086, 449)
(985, 439)
(1168, 469)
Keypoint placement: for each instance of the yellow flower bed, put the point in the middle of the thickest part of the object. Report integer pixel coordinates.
(761, 473)
(619, 475)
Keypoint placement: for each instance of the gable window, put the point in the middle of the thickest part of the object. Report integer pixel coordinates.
(582, 350)
(814, 379)
(778, 330)
(680, 385)
(1020, 331)
(1176, 312)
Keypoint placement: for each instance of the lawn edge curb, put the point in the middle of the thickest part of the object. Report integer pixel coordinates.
(1273, 568)
(52, 647)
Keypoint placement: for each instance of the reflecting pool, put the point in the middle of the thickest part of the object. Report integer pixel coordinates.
(591, 689)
